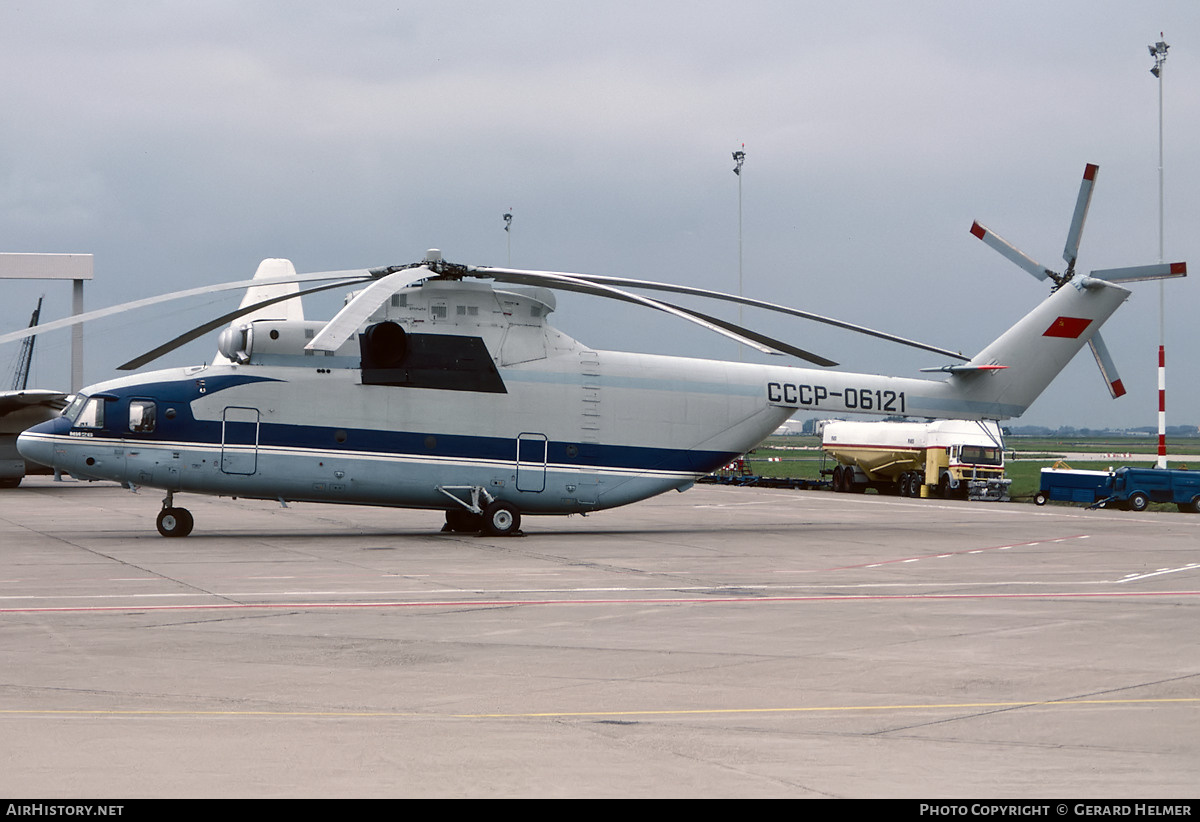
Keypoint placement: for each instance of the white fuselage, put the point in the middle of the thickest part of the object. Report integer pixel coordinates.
(470, 388)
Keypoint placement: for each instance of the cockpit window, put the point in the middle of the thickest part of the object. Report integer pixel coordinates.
(92, 415)
(141, 415)
(72, 409)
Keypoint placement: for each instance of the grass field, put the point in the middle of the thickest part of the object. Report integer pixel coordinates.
(801, 457)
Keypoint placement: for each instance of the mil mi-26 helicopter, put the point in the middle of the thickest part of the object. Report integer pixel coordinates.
(441, 386)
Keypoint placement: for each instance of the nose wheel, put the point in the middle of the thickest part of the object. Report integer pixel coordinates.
(172, 521)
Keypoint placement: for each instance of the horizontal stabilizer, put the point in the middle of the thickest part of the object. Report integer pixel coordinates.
(965, 368)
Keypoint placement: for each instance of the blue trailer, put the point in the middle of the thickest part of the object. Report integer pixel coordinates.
(1067, 485)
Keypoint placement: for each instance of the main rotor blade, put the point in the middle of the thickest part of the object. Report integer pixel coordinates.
(1108, 367)
(212, 325)
(778, 345)
(353, 274)
(572, 282)
(719, 295)
(1011, 251)
(1136, 273)
(1082, 203)
(354, 313)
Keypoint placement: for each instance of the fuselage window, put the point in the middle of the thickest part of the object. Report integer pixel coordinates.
(141, 415)
(92, 415)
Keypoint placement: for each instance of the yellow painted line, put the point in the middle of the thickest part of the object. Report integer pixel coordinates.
(562, 714)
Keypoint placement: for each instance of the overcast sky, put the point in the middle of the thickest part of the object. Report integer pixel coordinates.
(181, 143)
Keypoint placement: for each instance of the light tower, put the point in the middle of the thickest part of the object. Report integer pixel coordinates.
(1159, 52)
(739, 157)
(508, 232)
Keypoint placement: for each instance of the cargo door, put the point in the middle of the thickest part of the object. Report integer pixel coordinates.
(239, 440)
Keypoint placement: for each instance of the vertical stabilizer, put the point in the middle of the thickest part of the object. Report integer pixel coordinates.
(1041, 344)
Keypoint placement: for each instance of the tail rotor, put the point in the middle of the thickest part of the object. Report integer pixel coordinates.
(1083, 202)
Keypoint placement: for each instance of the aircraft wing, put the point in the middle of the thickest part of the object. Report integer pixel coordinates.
(21, 409)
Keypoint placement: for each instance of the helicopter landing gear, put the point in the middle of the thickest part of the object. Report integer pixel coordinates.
(172, 521)
(462, 521)
(483, 513)
(501, 519)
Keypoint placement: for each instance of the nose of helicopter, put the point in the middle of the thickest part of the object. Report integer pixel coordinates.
(35, 445)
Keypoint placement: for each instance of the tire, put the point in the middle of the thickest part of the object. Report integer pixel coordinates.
(839, 485)
(462, 521)
(10, 482)
(501, 519)
(1039, 498)
(1138, 501)
(174, 522)
(1192, 507)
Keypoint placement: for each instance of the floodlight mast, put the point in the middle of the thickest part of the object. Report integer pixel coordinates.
(508, 233)
(739, 157)
(1159, 52)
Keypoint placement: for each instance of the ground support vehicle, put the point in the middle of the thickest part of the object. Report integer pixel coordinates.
(1135, 488)
(953, 458)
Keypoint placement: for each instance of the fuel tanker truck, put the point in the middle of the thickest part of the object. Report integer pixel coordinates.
(961, 459)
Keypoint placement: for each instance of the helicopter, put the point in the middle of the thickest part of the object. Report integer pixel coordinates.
(442, 386)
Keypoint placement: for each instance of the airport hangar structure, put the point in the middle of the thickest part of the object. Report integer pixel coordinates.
(74, 267)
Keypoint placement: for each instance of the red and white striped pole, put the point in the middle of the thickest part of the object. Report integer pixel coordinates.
(1159, 52)
(1162, 406)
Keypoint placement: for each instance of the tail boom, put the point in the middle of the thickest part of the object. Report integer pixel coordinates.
(1002, 381)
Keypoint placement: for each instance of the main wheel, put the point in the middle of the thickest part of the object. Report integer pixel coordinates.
(501, 519)
(1138, 501)
(174, 522)
(915, 481)
(462, 521)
